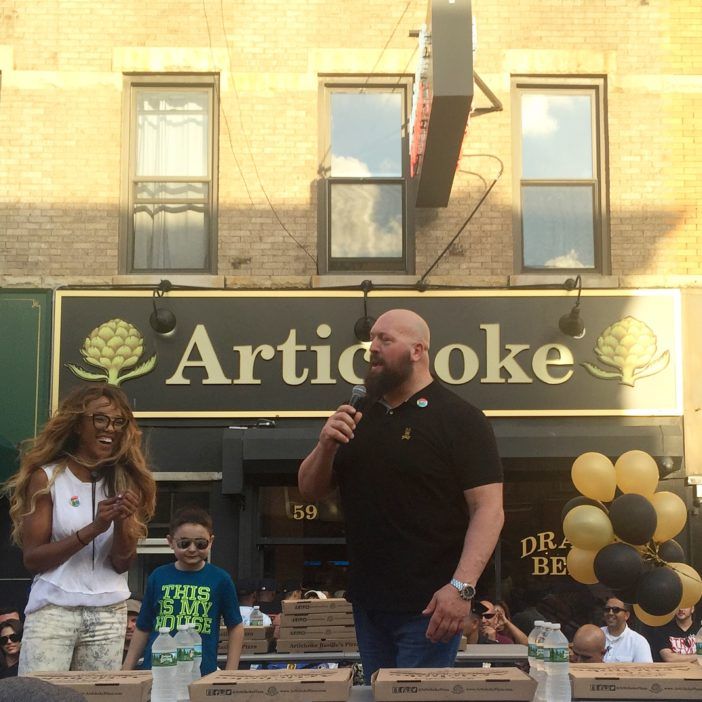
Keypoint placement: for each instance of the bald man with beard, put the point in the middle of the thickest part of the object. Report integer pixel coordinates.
(420, 481)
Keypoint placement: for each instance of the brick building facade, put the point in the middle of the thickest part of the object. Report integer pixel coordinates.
(89, 196)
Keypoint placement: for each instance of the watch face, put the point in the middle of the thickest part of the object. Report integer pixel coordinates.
(468, 592)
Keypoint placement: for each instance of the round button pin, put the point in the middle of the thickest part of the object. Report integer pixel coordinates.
(422, 402)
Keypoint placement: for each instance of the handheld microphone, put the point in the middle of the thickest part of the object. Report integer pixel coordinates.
(358, 395)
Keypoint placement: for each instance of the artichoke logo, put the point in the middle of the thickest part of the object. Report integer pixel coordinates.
(114, 346)
(630, 346)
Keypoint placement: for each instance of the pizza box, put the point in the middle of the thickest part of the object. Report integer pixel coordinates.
(331, 604)
(444, 684)
(636, 681)
(318, 685)
(258, 632)
(256, 646)
(309, 632)
(105, 686)
(317, 619)
(298, 645)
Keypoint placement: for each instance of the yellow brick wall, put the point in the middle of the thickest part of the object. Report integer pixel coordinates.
(60, 127)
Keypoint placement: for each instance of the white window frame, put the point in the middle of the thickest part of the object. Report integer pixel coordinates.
(131, 85)
(595, 86)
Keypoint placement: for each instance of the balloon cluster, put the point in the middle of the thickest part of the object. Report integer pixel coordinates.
(628, 545)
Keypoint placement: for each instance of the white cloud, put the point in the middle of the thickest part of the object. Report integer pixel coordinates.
(349, 167)
(357, 233)
(569, 260)
(537, 117)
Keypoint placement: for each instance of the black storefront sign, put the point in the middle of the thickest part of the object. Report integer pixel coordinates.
(294, 354)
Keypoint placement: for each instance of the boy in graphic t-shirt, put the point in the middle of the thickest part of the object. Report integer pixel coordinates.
(189, 590)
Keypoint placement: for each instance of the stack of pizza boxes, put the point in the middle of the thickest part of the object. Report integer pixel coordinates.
(316, 625)
(257, 639)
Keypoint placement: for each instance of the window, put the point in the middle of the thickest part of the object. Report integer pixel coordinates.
(363, 214)
(169, 190)
(561, 191)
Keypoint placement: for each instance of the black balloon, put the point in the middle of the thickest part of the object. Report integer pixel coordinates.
(618, 566)
(633, 518)
(659, 591)
(671, 552)
(580, 500)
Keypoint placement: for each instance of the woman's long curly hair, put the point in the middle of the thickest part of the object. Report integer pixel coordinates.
(59, 440)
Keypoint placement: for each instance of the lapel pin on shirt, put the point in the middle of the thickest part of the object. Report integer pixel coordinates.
(75, 502)
(408, 434)
(422, 402)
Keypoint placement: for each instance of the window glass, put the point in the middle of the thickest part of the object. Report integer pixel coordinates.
(366, 220)
(561, 194)
(556, 136)
(172, 133)
(366, 134)
(315, 566)
(366, 170)
(170, 236)
(171, 189)
(170, 497)
(533, 555)
(558, 226)
(283, 513)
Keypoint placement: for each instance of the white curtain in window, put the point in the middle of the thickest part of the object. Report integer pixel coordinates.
(172, 141)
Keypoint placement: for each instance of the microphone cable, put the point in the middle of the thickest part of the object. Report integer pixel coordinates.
(94, 476)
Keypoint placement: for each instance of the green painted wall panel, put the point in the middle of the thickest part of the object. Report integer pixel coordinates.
(25, 352)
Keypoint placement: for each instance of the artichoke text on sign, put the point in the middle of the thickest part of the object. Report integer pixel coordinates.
(244, 355)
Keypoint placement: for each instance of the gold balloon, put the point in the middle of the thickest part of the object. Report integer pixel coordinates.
(581, 565)
(672, 515)
(637, 472)
(588, 528)
(594, 476)
(652, 619)
(691, 582)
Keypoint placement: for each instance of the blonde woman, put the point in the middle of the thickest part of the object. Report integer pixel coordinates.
(79, 502)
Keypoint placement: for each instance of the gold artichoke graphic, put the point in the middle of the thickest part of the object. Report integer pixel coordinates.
(114, 346)
(630, 346)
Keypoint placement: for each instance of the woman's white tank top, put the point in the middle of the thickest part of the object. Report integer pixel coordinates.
(78, 582)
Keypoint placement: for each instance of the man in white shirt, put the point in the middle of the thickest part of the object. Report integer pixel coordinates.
(624, 644)
(247, 594)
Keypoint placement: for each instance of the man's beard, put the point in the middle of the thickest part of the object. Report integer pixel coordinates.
(384, 379)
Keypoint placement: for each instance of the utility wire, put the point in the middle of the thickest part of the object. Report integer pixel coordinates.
(248, 143)
(221, 106)
(420, 282)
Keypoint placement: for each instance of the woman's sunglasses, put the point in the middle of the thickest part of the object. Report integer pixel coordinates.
(15, 638)
(200, 544)
(102, 422)
(488, 615)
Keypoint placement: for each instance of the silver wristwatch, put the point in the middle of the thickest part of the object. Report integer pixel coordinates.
(466, 591)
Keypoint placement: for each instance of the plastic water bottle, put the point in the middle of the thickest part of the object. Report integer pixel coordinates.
(539, 673)
(556, 661)
(164, 667)
(184, 645)
(197, 651)
(698, 645)
(531, 645)
(256, 617)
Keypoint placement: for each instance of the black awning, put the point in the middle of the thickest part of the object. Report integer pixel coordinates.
(258, 451)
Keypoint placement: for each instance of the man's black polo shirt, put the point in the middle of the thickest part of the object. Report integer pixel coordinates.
(402, 479)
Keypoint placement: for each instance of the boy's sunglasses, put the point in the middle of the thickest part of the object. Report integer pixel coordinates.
(614, 610)
(15, 638)
(200, 544)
